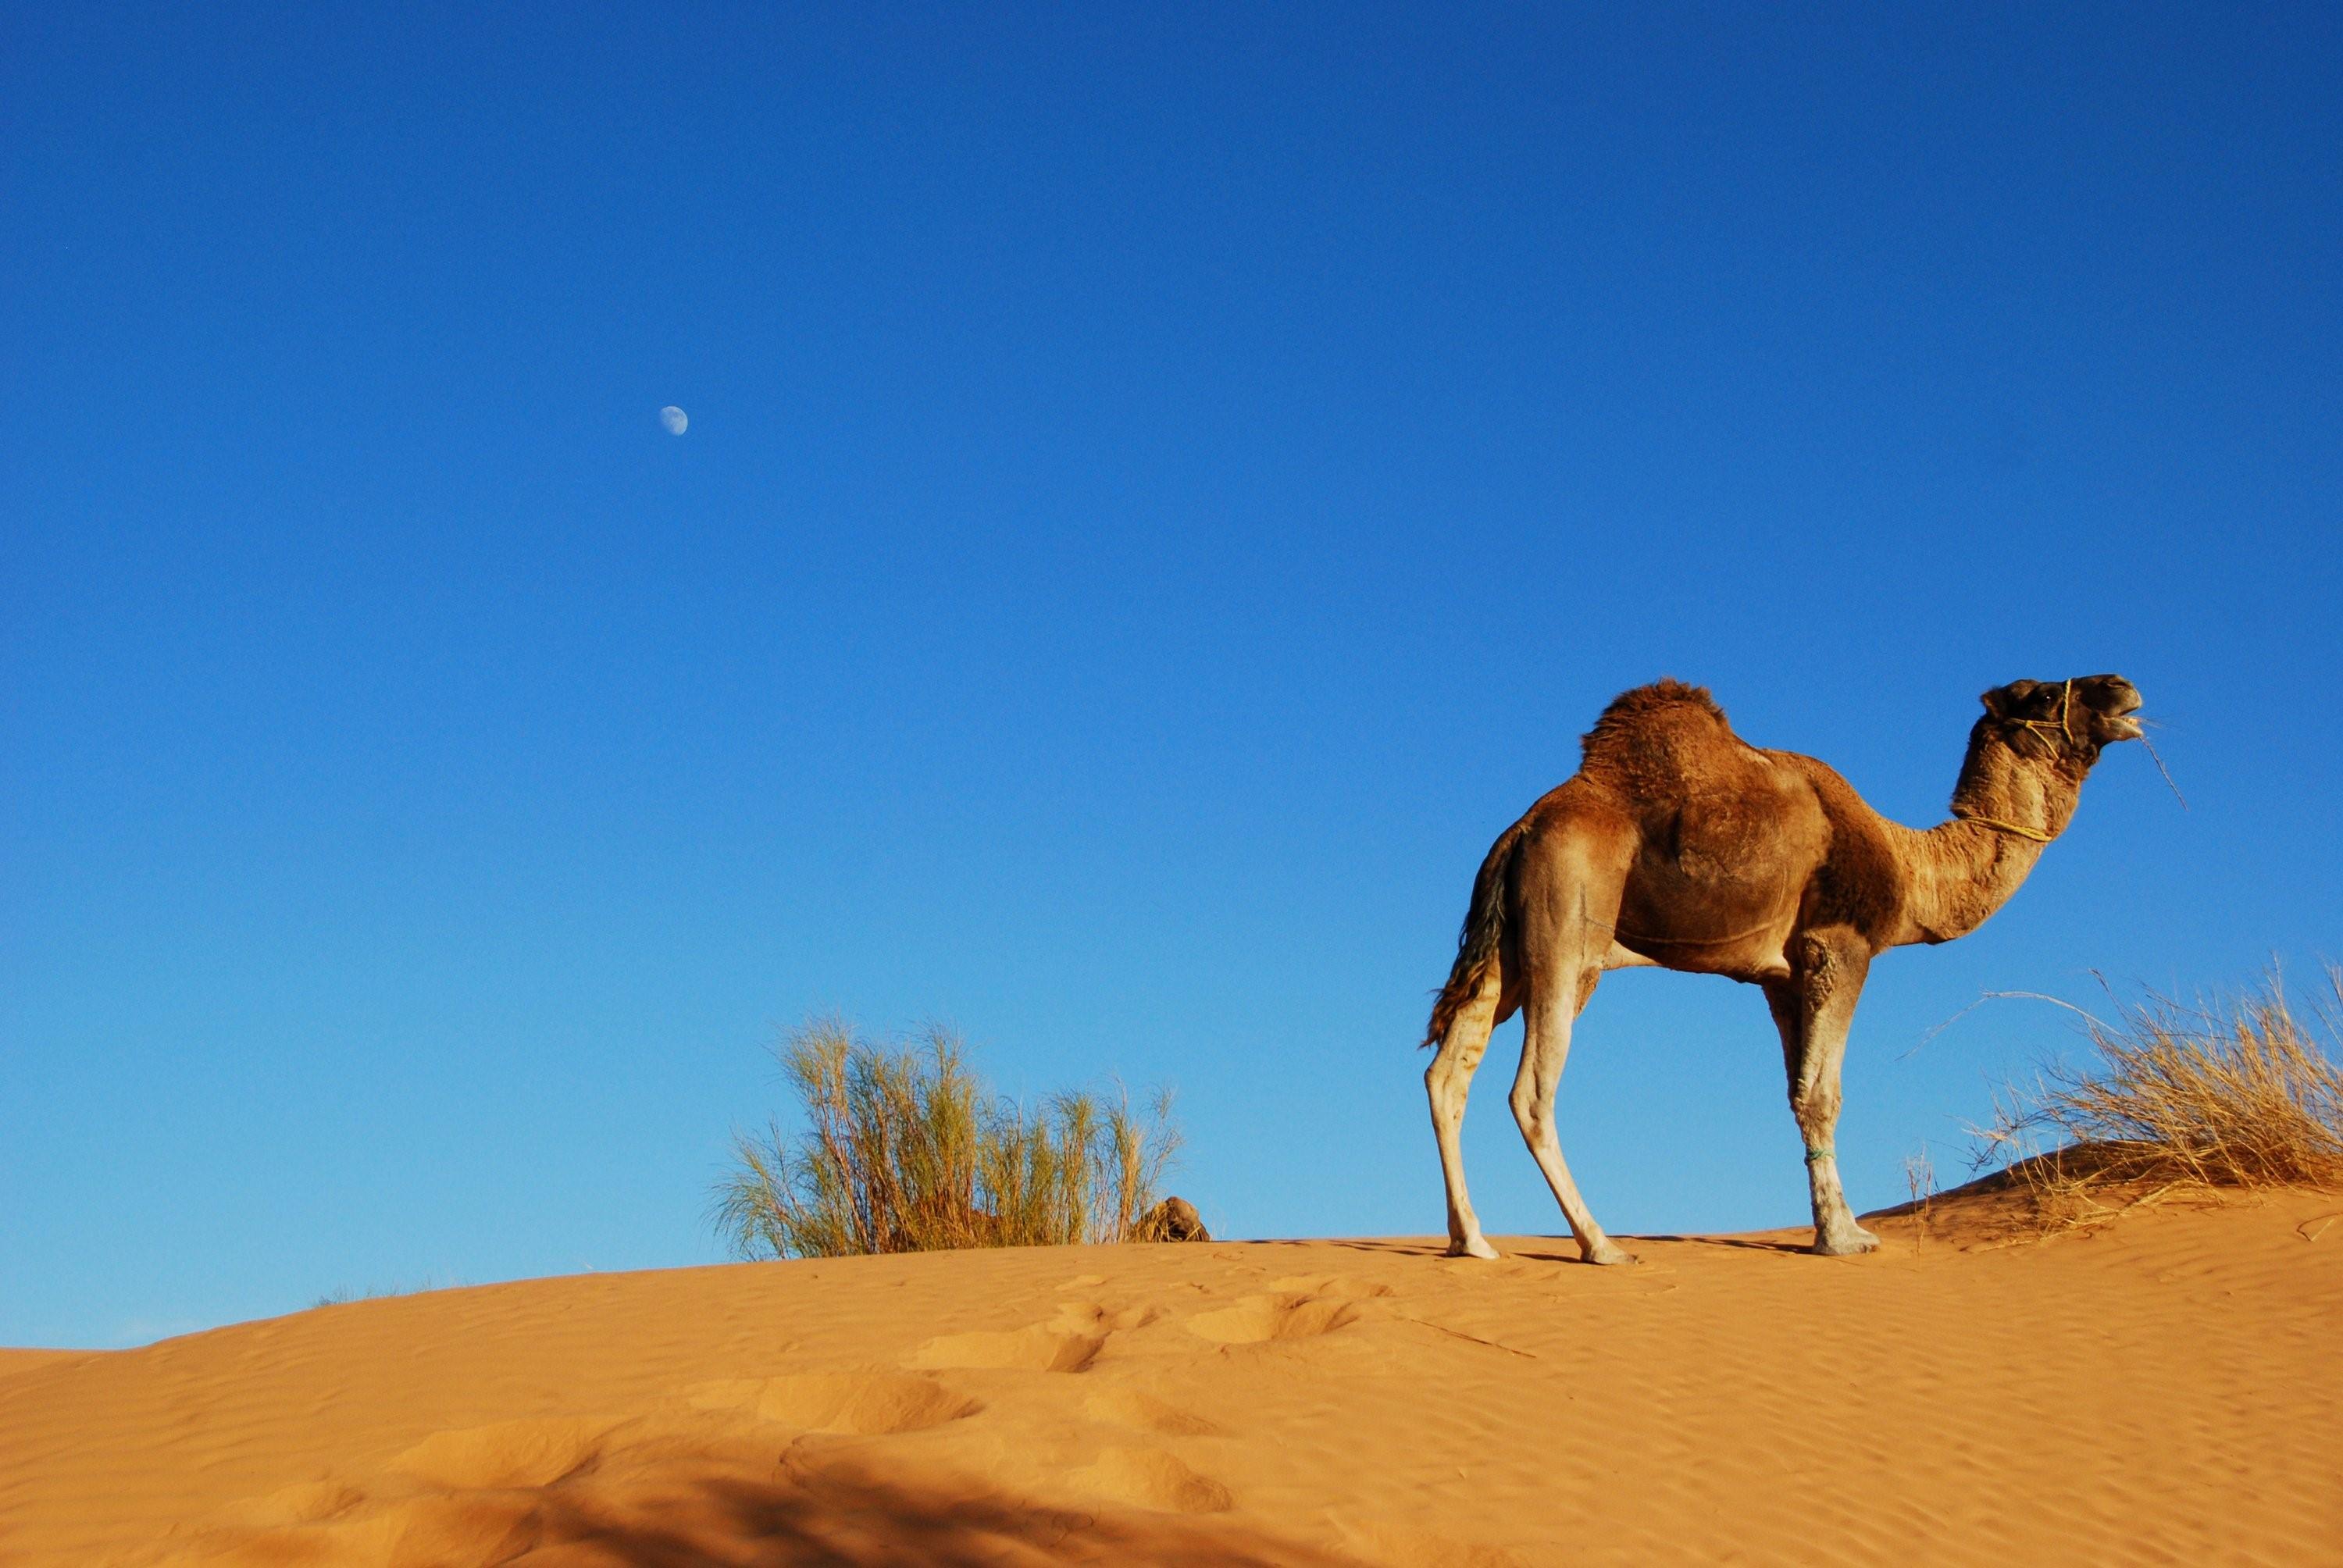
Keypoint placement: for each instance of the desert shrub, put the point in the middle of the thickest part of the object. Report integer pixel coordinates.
(904, 1149)
(1920, 1179)
(2238, 1092)
(344, 1294)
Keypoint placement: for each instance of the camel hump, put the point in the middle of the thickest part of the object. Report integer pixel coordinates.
(1667, 748)
(1663, 717)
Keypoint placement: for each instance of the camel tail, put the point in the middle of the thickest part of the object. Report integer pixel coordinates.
(1478, 944)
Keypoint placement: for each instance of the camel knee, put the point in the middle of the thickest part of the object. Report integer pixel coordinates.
(1816, 1110)
(1534, 1118)
(1451, 1073)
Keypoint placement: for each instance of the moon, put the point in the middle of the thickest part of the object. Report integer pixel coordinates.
(676, 420)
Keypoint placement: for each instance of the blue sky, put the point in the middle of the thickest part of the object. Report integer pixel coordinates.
(1163, 491)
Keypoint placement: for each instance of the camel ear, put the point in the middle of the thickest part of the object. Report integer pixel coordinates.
(2002, 701)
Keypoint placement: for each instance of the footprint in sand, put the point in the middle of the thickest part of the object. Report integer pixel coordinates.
(1097, 1318)
(1130, 1407)
(864, 1404)
(460, 1527)
(1150, 1478)
(1335, 1286)
(1041, 1348)
(483, 1484)
(509, 1454)
(1257, 1320)
(310, 1502)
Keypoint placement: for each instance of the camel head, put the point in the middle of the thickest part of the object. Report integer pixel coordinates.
(2063, 721)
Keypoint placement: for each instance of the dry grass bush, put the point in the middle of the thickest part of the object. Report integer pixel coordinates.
(344, 1295)
(1920, 1179)
(904, 1150)
(2237, 1093)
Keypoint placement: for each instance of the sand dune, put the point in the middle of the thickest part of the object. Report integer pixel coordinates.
(2165, 1390)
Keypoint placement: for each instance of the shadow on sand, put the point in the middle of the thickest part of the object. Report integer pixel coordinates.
(1563, 1250)
(1738, 1243)
(690, 1522)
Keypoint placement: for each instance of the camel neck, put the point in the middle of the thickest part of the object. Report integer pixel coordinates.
(2013, 795)
(2015, 830)
(1963, 871)
(2005, 810)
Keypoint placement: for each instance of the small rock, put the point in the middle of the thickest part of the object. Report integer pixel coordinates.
(1173, 1220)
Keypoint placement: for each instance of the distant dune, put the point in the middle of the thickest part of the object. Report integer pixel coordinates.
(2169, 1388)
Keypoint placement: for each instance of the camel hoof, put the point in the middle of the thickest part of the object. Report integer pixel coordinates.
(1608, 1254)
(1478, 1247)
(1854, 1241)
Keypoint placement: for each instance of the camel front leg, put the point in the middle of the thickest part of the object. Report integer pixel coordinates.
(1814, 1010)
(1546, 1046)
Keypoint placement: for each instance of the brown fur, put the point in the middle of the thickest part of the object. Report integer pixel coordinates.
(1629, 720)
(1679, 844)
(1484, 931)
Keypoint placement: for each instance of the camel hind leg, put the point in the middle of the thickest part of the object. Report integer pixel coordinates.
(1569, 892)
(1448, 1080)
(1554, 1003)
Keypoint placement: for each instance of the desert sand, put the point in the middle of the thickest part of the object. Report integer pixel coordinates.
(2165, 1389)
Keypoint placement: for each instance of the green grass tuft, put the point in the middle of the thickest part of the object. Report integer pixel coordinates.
(905, 1150)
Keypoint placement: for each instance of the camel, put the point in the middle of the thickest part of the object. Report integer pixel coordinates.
(1680, 845)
